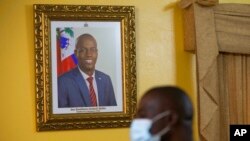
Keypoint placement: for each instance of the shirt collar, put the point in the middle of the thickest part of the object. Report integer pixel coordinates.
(85, 76)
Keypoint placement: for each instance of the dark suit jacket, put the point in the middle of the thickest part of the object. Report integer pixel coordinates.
(73, 90)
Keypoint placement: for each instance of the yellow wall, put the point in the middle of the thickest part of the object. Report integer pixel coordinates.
(160, 61)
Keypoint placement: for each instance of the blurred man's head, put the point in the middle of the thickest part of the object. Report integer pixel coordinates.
(86, 53)
(170, 111)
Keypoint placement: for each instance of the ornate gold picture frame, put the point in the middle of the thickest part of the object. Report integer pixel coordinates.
(57, 30)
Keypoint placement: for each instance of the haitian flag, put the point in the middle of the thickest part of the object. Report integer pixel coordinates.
(66, 59)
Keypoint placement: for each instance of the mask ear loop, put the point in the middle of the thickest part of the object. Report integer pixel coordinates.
(159, 116)
(163, 131)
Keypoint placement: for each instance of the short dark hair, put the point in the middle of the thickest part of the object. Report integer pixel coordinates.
(82, 36)
(178, 99)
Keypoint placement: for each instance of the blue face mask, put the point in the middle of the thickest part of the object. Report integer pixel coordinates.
(139, 130)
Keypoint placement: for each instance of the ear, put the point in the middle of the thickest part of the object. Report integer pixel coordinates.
(172, 119)
(75, 52)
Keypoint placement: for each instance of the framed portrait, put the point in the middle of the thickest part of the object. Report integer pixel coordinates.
(85, 65)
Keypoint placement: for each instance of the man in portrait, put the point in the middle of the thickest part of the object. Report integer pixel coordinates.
(84, 86)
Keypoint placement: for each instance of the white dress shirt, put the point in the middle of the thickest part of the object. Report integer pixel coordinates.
(85, 77)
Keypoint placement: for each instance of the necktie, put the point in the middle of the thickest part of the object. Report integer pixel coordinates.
(92, 91)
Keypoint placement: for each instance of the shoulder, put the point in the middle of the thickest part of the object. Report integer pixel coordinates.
(103, 78)
(100, 73)
(70, 74)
